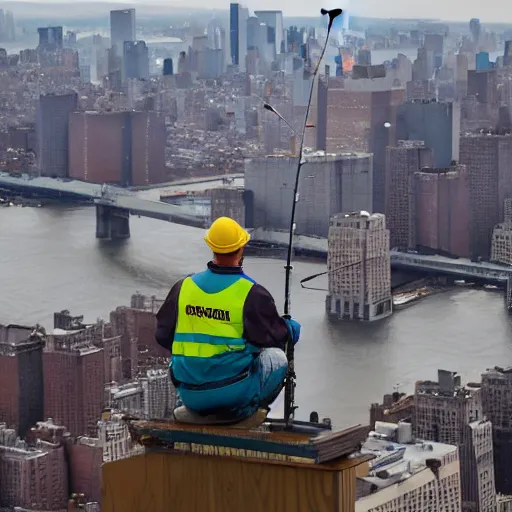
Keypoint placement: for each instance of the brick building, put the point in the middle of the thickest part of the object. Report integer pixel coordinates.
(451, 413)
(364, 121)
(125, 148)
(395, 407)
(359, 267)
(402, 162)
(441, 198)
(32, 477)
(21, 377)
(487, 157)
(74, 383)
(497, 406)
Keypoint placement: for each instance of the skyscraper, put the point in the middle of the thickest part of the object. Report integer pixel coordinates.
(135, 60)
(448, 412)
(168, 67)
(74, 382)
(487, 158)
(474, 27)
(274, 20)
(122, 27)
(21, 377)
(359, 267)
(238, 34)
(401, 164)
(436, 124)
(52, 125)
(50, 38)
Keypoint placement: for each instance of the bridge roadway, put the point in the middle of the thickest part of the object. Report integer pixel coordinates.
(124, 199)
(114, 197)
(461, 267)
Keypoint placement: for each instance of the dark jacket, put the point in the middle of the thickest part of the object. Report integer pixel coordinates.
(263, 326)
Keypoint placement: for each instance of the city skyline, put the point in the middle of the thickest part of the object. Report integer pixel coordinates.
(456, 10)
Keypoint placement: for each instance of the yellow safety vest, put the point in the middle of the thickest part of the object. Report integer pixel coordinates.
(210, 324)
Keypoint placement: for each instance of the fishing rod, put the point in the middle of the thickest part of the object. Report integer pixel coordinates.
(289, 386)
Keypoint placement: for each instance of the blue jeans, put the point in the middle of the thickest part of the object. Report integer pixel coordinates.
(265, 383)
(272, 369)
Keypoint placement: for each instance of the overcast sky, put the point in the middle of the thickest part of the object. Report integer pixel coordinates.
(461, 10)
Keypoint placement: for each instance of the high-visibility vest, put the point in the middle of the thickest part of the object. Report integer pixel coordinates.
(208, 343)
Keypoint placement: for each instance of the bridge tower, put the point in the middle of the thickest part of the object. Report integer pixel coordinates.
(112, 223)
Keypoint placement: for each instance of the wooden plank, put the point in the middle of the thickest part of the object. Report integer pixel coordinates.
(255, 443)
(164, 482)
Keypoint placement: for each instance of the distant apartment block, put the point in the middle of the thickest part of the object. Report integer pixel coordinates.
(442, 204)
(395, 407)
(21, 377)
(359, 267)
(74, 370)
(436, 124)
(329, 184)
(52, 130)
(448, 412)
(407, 476)
(402, 162)
(50, 38)
(487, 157)
(32, 477)
(496, 389)
(135, 60)
(123, 148)
(364, 121)
(122, 27)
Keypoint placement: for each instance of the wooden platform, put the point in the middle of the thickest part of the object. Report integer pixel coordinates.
(249, 443)
(163, 481)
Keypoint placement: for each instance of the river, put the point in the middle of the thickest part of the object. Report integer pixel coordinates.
(50, 260)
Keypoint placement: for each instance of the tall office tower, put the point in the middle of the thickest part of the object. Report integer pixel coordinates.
(359, 267)
(122, 27)
(158, 394)
(475, 28)
(441, 198)
(33, 478)
(135, 60)
(21, 377)
(168, 67)
(402, 162)
(436, 124)
(50, 38)
(496, 389)
(364, 121)
(74, 384)
(448, 412)
(238, 34)
(435, 43)
(125, 148)
(52, 126)
(328, 184)
(487, 158)
(273, 20)
(507, 54)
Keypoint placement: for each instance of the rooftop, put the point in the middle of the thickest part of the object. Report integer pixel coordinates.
(395, 462)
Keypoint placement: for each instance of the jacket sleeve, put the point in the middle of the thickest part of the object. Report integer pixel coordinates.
(263, 326)
(167, 317)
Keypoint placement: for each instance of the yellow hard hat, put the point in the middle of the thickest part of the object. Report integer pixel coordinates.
(226, 235)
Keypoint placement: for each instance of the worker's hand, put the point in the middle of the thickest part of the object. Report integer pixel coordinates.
(294, 328)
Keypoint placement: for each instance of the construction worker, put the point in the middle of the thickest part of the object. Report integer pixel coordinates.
(225, 334)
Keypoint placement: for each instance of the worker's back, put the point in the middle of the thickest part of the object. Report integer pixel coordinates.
(209, 347)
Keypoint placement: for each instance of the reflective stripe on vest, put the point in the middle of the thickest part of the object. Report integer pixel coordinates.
(210, 324)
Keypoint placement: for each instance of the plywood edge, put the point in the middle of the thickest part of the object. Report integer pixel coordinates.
(341, 464)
